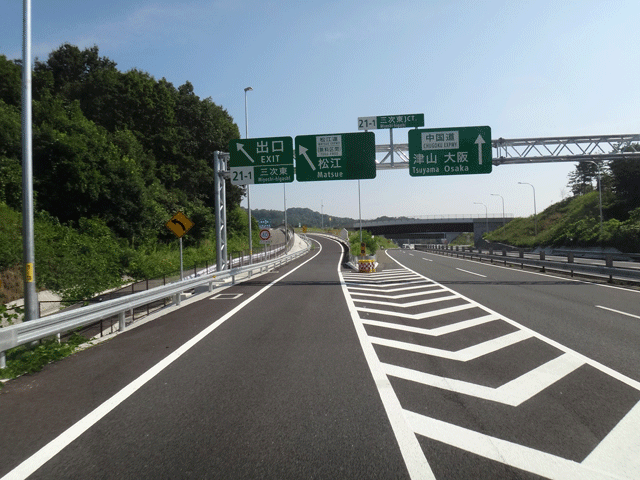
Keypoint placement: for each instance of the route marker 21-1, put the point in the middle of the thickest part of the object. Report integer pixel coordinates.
(261, 160)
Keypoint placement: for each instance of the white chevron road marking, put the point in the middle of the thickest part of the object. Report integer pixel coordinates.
(420, 316)
(409, 304)
(435, 332)
(436, 289)
(503, 451)
(377, 289)
(512, 393)
(619, 450)
(464, 355)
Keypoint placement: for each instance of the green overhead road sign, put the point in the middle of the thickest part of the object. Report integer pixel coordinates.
(336, 156)
(449, 151)
(261, 160)
(391, 121)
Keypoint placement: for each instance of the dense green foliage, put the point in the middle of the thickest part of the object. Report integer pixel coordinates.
(123, 148)
(115, 155)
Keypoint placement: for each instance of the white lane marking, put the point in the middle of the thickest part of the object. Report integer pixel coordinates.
(410, 448)
(597, 365)
(46, 453)
(513, 393)
(503, 451)
(409, 304)
(528, 272)
(436, 332)
(619, 449)
(618, 311)
(428, 259)
(464, 355)
(472, 273)
(423, 315)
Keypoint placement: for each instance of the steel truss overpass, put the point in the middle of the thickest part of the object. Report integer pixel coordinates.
(585, 148)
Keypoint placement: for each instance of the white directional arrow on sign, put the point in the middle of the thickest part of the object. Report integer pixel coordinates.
(303, 152)
(241, 149)
(479, 141)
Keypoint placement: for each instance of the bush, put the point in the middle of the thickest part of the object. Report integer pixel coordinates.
(369, 240)
(23, 359)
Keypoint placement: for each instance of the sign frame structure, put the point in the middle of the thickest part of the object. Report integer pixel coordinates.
(408, 120)
(450, 151)
(335, 156)
(259, 161)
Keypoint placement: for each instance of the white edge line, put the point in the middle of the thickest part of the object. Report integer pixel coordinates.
(51, 449)
(410, 448)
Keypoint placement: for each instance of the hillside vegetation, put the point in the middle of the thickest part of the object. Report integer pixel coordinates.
(575, 222)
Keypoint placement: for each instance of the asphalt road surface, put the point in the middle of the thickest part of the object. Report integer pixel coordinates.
(432, 367)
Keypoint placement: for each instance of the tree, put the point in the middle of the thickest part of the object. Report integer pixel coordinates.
(626, 179)
(10, 83)
(10, 152)
(581, 179)
(71, 68)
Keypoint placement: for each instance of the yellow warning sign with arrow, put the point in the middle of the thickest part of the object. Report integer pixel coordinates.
(179, 224)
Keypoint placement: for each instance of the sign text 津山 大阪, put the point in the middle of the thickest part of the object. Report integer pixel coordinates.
(450, 151)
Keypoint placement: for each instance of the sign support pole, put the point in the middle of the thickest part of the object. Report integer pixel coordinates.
(391, 144)
(359, 211)
(181, 274)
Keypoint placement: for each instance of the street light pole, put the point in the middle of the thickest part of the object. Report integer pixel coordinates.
(504, 222)
(31, 311)
(599, 191)
(535, 214)
(246, 135)
(486, 215)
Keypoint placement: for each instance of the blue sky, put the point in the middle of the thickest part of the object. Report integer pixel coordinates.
(525, 68)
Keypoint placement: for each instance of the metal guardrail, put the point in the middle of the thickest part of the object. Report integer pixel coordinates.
(608, 270)
(59, 323)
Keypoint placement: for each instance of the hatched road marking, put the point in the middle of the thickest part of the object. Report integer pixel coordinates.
(615, 456)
